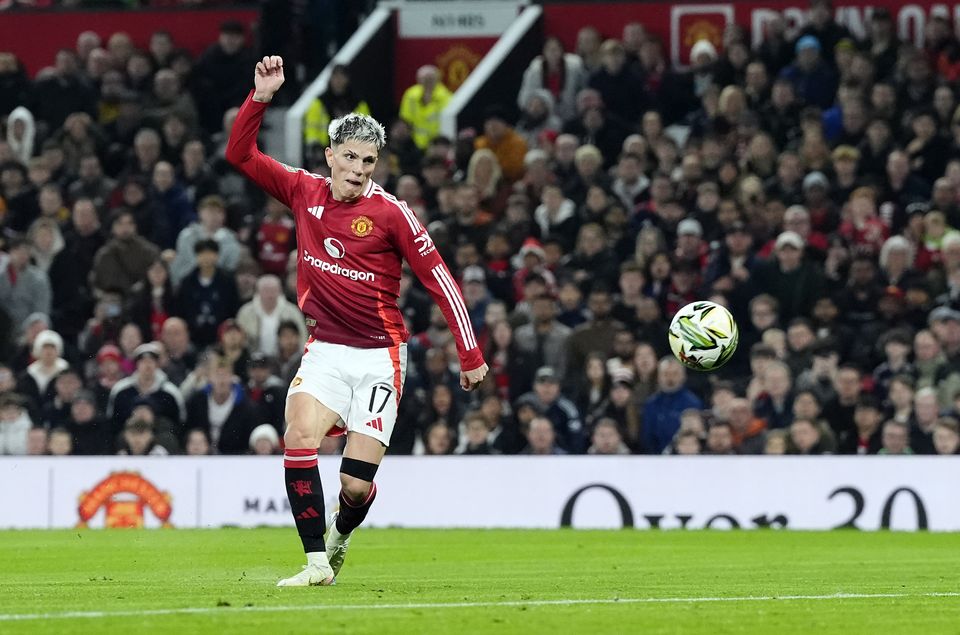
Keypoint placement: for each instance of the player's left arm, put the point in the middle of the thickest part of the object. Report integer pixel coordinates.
(416, 246)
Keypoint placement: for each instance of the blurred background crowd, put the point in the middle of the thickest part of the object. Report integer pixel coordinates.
(810, 184)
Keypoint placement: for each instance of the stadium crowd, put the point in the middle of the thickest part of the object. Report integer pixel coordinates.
(810, 184)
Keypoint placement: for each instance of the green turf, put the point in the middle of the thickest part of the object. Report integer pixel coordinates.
(131, 571)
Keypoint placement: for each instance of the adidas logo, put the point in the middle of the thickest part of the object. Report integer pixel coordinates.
(316, 211)
(376, 424)
(310, 512)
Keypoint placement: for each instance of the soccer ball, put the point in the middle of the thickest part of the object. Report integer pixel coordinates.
(703, 335)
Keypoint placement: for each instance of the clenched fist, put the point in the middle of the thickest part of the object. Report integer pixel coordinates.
(268, 78)
(471, 379)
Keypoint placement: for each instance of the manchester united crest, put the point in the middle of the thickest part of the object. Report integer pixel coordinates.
(361, 226)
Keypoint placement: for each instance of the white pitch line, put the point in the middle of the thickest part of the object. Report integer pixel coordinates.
(14, 617)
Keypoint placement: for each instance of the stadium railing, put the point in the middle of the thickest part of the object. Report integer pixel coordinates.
(371, 42)
(498, 76)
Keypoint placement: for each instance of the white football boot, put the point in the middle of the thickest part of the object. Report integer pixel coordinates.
(337, 544)
(313, 574)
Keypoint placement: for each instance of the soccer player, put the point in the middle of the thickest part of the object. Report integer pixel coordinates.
(351, 237)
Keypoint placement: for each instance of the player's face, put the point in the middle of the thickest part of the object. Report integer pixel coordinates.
(351, 164)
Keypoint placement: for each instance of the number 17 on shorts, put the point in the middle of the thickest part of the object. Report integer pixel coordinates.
(362, 385)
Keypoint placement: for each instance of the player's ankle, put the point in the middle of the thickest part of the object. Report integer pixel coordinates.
(318, 559)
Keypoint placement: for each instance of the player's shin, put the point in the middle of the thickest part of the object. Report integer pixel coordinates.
(352, 513)
(305, 494)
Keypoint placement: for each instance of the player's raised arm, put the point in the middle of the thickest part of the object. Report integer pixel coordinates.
(242, 151)
(418, 249)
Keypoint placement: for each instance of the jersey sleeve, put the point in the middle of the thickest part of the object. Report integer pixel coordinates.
(277, 179)
(416, 246)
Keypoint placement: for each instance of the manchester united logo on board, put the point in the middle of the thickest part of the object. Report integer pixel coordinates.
(361, 226)
(124, 495)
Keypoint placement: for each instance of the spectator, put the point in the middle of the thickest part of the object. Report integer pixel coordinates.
(181, 356)
(774, 403)
(538, 119)
(60, 442)
(546, 399)
(476, 437)
(62, 92)
(544, 336)
(290, 345)
(222, 410)
(592, 387)
(795, 282)
(339, 100)
(807, 437)
(776, 443)
(265, 391)
(606, 439)
(946, 436)
(597, 334)
(748, 433)
(422, 103)
(895, 439)
(508, 146)
(37, 441)
(14, 84)
(620, 86)
(39, 375)
(688, 444)
(926, 412)
(207, 296)
(275, 238)
(24, 288)
(124, 260)
(661, 412)
(91, 432)
(15, 424)
(152, 301)
(21, 134)
(719, 439)
(55, 408)
(511, 367)
(484, 173)
(562, 74)
(198, 443)
(261, 317)
(866, 437)
(541, 438)
(222, 74)
(212, 211)
(149, 384)
(592, 262)
(138, 439)
(619, 406)
(91, 183)
(194, 173)
(264, 440)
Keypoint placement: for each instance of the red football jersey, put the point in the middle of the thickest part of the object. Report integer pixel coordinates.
(349, 254)
(274, 243)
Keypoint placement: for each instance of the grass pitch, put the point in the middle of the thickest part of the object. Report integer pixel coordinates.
(407, 581)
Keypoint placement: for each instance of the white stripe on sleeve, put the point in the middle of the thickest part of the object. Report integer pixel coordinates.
(457, 305)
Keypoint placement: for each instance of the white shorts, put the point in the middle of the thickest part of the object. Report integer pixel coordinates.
(362, 385)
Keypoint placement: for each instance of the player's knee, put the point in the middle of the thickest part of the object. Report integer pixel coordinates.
(301, 432)
(356, 478)
(299, 437)
(354, 488)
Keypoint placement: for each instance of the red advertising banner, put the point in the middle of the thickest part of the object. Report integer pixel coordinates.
(682, 24)
(453, 36)
(35, 38)
(454, 57)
